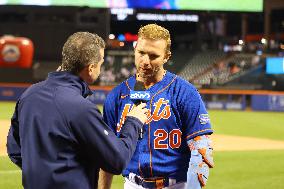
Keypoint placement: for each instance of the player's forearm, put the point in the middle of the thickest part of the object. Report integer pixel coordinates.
(105, 180)
(200, 162)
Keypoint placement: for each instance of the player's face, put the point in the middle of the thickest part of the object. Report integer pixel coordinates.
(150, 56)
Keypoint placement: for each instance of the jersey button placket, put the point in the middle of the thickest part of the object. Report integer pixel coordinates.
(144, 154)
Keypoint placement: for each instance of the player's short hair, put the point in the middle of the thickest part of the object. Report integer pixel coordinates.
(155, 32)
(80, 50)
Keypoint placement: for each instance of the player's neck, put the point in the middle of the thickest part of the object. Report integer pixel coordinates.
(150, 81)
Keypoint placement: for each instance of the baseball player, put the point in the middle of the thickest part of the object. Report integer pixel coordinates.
(175, 151)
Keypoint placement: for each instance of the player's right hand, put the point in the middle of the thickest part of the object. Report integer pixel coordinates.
(140, 112)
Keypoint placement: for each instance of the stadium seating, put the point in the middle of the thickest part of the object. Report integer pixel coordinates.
(200, 63)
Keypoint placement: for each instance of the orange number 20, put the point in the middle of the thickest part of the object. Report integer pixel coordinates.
(160, 142)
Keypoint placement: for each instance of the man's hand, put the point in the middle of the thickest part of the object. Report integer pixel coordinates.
(139, 112)
(105, 180)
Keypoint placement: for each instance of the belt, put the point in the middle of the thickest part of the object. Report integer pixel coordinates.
(154, 182)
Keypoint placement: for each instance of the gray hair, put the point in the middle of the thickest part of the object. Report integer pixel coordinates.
(80, 50)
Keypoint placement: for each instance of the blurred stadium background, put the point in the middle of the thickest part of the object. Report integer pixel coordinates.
(232, 51)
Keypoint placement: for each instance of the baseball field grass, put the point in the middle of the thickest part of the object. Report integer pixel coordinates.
(243, 169)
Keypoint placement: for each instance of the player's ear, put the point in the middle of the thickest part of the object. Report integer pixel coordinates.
(167, 56)
(91, 68)
(135, 44)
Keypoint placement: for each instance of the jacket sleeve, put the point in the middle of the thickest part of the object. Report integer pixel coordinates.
(99, 140)
(13, 140)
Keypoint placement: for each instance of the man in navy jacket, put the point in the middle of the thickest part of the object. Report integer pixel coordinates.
(57, 136)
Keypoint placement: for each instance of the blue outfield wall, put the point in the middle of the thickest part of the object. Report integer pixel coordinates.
(267, 102)
(11, 92)
(259, 102)
(217, 105)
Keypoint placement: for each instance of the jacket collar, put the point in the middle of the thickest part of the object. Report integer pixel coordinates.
(65, 78)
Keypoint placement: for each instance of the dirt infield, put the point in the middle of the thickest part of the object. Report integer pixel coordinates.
(220, 142)
(237, 143)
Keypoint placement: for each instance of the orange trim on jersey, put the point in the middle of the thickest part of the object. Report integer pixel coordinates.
(123, 96)
(163, 89)
(149, 142)
(197, 133)
(126, 83)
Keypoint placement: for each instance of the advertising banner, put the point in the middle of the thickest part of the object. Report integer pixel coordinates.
(267, 102)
